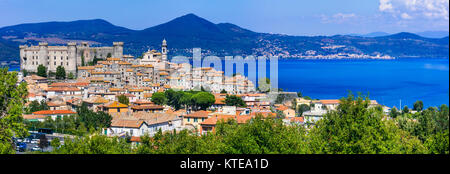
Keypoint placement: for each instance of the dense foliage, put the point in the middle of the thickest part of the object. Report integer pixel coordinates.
(42, 71)
(12, 99)
(354, 128)
(60, 73)
(233, 100)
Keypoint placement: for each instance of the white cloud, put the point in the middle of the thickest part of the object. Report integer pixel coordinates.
(406, 16)
(408, 9)
(338, 18)
(385, 5)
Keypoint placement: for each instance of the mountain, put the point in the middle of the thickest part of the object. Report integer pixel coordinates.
(189, 31)
(433, 34)
(373, 34)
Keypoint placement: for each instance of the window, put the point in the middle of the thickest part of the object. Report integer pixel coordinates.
(195, 120)
(189, 119)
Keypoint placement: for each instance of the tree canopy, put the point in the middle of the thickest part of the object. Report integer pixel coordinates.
(12, 99)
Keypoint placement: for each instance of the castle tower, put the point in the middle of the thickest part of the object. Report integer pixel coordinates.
(72, 55)
(164, 50)
(118, 49)
(43, 55)
(23, 58)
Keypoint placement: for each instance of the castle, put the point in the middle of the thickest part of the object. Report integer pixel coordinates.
(70, 56)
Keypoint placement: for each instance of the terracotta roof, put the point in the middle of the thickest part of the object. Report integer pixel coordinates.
(36, 77)
(34, 117)
(282, 108)
(297, 119)
(53, 112)
(198, 114)
(52, 104)
(153, 107)
(113, 59)
(97, 100)
(148, 95)
(330, 101)
(135, 139)
(143, 102)
(77, 84)
(63, 89)
(116, 104)
(115, 89)
(136, 90)
(127, 123)
(86, 67)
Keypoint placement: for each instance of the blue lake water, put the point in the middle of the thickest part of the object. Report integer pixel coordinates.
(387, 81)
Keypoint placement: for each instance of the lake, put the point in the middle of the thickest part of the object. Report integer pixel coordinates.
(387, 81)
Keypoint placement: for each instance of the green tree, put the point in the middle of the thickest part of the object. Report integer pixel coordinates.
(123, 99)
(418, 106)
(91, 119)
(203, 100)
(303, 108)
(108, 55)
(12, 99)
(233, 100)
(394, 112)
(299, 94)
(94, 144)
(42, 71)
(24, 72)
(159, 98)
(405, 110)
(438, 143)
(82, 60)
(174, 98)
(55, 143)
(60, 72)
(223, 91)
(354, 128)
(71, 76)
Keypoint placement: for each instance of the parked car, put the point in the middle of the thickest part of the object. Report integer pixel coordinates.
(34, 141)
(21, 147)
(36, 148)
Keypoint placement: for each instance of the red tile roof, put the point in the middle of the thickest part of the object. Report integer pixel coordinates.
(63, 89)
(53, 112)
(198, 114)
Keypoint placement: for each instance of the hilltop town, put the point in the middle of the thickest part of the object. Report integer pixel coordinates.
(138, 92)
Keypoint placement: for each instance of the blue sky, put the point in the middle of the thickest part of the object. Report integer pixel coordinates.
(293, 17)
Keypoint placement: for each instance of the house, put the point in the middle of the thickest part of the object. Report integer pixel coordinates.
(57, 106)
(63, 91)
(209, 125)
(113, 107)
(147, 108)
(31, 117)
(195, 118)
(131, 127)
(288, 112)
(94, 102)
(133, 123)
(55, 114)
